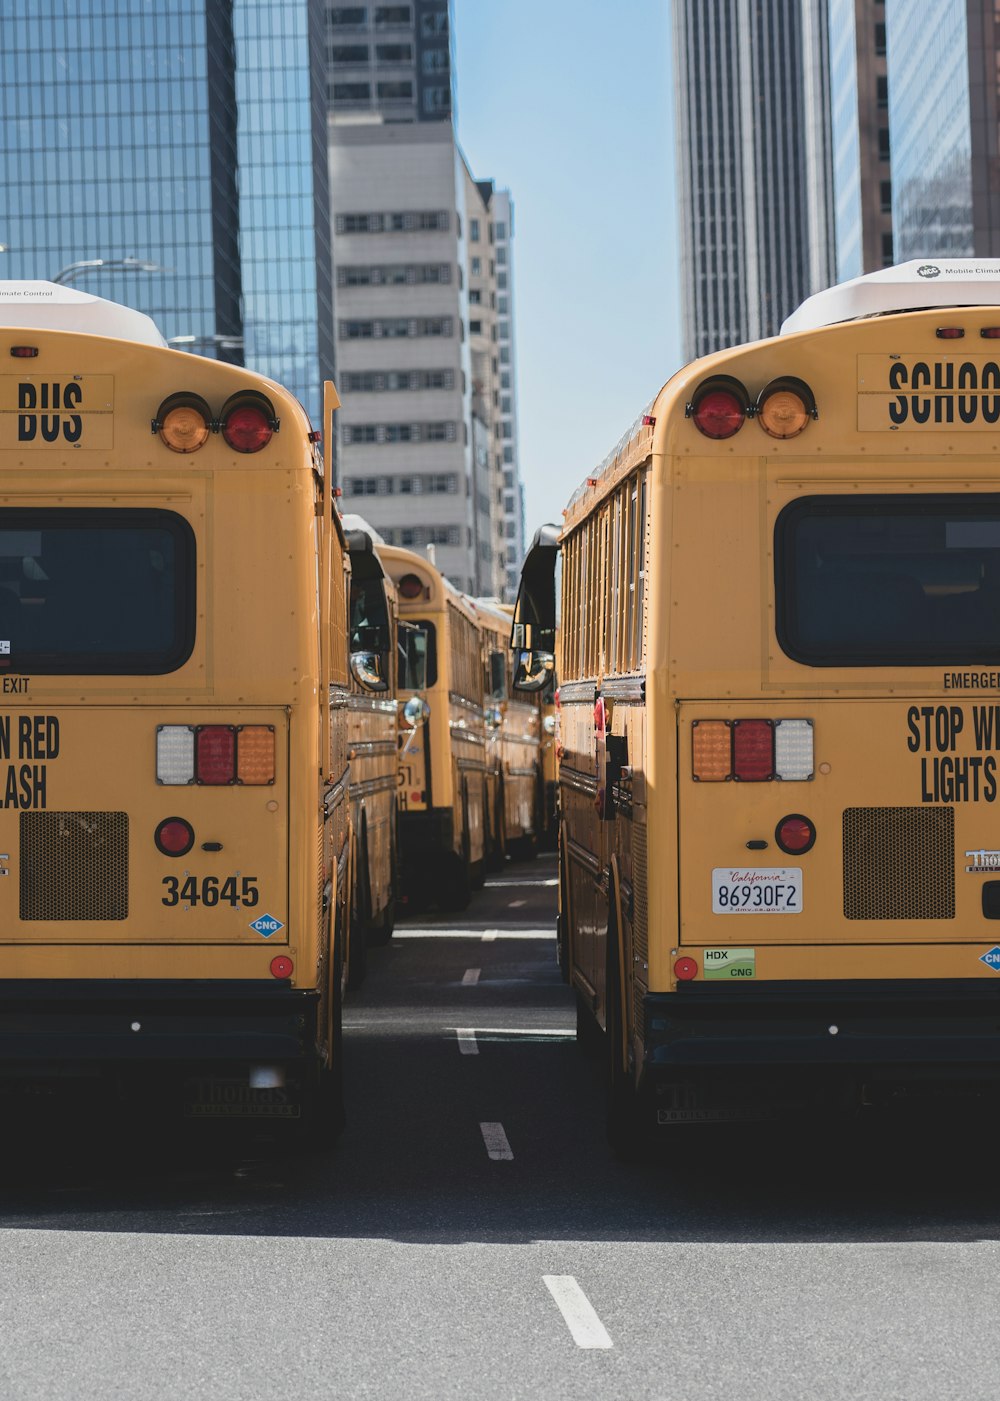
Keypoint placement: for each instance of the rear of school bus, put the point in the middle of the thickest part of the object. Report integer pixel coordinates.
(824, 709)
(170, 822)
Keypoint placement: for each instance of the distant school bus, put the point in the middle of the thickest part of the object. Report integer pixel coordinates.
(779, 671)
(372, 744)
(513, 751)
(442, 790)
(174, 825)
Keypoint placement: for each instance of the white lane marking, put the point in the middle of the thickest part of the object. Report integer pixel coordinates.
(467, 1041)
(490, 936)
(496, 1143)
(470, 976)
(577, 1311)
(515, 904)
(513, 884)
(560, 1031)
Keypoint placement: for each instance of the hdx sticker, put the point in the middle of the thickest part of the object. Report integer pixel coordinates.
(731, 963)
(266, 925)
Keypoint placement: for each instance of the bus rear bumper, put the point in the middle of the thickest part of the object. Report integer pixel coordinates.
(932, 1024)
(68, 1027)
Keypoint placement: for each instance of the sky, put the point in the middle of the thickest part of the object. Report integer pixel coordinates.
(569, 105)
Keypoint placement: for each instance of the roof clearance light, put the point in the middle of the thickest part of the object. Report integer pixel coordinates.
(215, 754)
(753, 750)
(24, 352)
(711, 751)
(255, 754)
(410, 586)
(793, 750)
(990, 333)
(174, 754)
(795, 834)
(784, 407)
(248, 423)
(183, 422)
(719, 407)
(949, 333)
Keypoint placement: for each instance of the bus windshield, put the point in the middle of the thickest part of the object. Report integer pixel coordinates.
(87, 592)
(888, 581)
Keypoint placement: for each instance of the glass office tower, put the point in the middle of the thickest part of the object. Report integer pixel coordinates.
(190, 137)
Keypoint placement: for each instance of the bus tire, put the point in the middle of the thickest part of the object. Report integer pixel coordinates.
(323, 1102)
(622, 1121)
(456, 883)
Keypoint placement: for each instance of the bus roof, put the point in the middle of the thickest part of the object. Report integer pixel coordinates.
(915, 286)
(353, 522)
(48, 306)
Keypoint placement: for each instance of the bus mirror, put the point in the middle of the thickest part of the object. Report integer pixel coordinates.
(415, 711)
(368, 670)
(494, 717)
(534, 671)
(534, 622)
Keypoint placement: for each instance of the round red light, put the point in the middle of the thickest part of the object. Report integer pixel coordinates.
(719, 413)
(795, 834)
(174, 836)
(685, 969)
(410, 586)
(282, 966)
(247, 428)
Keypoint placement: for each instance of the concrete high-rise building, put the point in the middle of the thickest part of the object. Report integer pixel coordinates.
(390, 60)
(754, 164)
(943, 125)
(204, 155)
(862, 167)
(422, 256)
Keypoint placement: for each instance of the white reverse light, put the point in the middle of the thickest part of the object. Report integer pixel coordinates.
(793, 750)
(175, 754)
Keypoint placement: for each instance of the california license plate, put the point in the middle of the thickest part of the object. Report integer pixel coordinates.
(767, 891)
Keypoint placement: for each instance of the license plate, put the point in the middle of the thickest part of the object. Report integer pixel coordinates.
(768, 891)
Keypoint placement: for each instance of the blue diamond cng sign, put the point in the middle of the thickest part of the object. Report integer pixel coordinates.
(992, 959)
(267, 925)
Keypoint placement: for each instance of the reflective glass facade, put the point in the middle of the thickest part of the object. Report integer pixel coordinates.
(929, 121)
(846, 144)
(185, 133)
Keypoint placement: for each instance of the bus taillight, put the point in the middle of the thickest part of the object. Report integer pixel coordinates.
(685, 969)
(752, 751)
(784, 407)
(795, 834)
(183, 422)
(255, 754)
(174, 836)
(248, 422)
(719, 407)
(282, 966)
(215, 754)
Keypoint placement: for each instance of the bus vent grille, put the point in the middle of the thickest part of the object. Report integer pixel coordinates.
(74, 865)
(899, 863)
(640, 909)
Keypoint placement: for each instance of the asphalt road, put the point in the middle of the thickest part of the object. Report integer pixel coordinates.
(473, 1237)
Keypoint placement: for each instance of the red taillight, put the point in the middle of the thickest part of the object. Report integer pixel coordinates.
(795, 834)
(753, 750)
(282, 966)
(410, 586)
(719, 406)
(990, 333)
(247, 429)
(685, 969)
(949, 333)
(24, 352)
(174, 836)
(215, 754)
(719, 414)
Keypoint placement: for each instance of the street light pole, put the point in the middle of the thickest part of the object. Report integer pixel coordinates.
(71, 270)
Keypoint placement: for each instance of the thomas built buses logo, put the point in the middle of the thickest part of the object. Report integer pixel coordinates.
(928, 270)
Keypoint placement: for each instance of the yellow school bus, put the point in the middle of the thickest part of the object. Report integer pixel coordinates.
(442, 796)
(372, 744)
(779, 669)
(174, 827)
(515, 790)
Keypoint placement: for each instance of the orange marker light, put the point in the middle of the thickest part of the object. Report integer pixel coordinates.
(711, 751)
(184, 429)
(255, 754)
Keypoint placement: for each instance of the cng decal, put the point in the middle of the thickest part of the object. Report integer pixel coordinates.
(266, 925)
(730, 963)
(992, 958)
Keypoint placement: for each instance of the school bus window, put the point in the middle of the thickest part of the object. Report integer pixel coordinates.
(881, 581)
(614, 589)
(96, 592)
(417, 657)
(640, 583)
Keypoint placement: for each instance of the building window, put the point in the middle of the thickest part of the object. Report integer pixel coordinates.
(348, 53)
(435, 60)
(505, 403)
(887, 250)
(883, 143)
(501, 231)
(474, 230)
(352, 92)
(502, 306)
(347, 14)
(475, 296)
(477, 267)
(437, 100)
(501, 281)
(386, 15)
(396, 92)
(475, 328)
(394, 53)
(886, 189)
(433, 24)
(501, 257)
(882, 90)
(880, 40)
(508, 453)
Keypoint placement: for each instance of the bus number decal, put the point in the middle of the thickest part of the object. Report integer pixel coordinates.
(937, 733)
(210, 891)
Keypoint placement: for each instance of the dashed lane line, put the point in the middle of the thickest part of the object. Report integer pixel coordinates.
(490, 936)
(497, 1146)
(514, 884)
(470, 977)
(578, 1312)
(467, 1044)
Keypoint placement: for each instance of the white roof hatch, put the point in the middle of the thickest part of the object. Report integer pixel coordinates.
(50, 306)
(920, 285)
